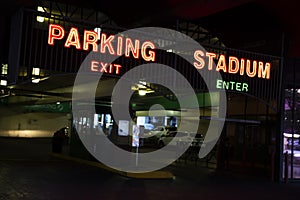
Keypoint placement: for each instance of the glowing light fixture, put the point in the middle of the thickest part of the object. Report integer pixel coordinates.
(36, 71)
(4, 69)
(35, 75)
(98, 31)
(35, 80)
(40, 18)
(142, 88)
(297, 155)
(289, 135)
(3, 82)
(142, 92)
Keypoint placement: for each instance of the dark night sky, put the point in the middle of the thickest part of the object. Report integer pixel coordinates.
(255, 25)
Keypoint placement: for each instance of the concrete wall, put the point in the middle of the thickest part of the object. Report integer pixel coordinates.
(32, 124)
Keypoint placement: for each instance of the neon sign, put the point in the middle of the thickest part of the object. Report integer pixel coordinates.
(124, 46)
(128, 47)
(232, 85)
(234, 65)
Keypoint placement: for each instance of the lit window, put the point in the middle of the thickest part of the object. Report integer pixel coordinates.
(35, 75)
(36, 71)
(3, 82)
(40, 18)
(4, 69)
(22, 72)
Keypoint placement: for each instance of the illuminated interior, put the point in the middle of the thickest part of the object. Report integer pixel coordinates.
(291, 135)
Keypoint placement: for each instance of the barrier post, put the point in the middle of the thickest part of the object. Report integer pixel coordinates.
(286, 170)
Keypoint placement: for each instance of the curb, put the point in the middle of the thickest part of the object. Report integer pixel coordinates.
(148, 175)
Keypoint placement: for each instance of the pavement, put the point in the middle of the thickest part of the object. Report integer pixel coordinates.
(29, 171)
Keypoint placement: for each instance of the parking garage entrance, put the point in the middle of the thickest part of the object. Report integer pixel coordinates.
(252, 83)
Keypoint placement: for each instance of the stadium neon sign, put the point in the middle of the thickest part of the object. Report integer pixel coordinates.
(232, 65)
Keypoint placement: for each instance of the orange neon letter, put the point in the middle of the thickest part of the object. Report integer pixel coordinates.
(118, 68)
(264, 73)
(248, 70)
(134, 49)
(242, 67)
(221, 64)
(233, 67)
(94, 66)
(106, 42)
(151, 54)
(211, 57)
(104, 66)
(73, 39)
(198, 57)
(90, 37)
(55, 32)
(120, 46)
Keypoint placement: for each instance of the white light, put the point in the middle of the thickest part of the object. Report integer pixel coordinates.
(289, 135)
(142, 92)
(58, 102)
(98, 31)
(4, 69)
(40, 9)
(3, 82)
(36, 71)
(35, 80)
(40, 18)
(142, 84)
(297, 155)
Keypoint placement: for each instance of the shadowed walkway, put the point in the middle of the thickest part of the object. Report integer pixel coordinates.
(28, 172)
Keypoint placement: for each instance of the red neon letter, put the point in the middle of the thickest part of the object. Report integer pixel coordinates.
(134, 49)
(197, 57)
(90, 37)
(233, 67)
(242, 68)
(221, 64)
(106, 42)
(94, 66)
(264, 73)
(103, 69)
(120, 46)
(117, 68)
(151, 56)
(55, 32)
(73, 38)
(111, 68)
(211, 57)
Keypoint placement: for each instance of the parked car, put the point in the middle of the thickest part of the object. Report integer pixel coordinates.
(149, 126)
(182, 138)
(156, 133)
(162, 130)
